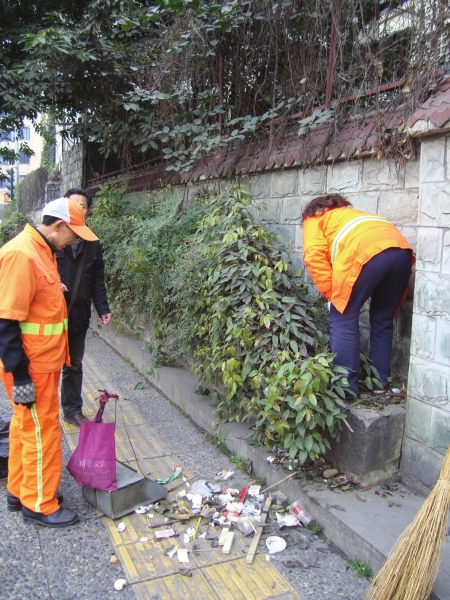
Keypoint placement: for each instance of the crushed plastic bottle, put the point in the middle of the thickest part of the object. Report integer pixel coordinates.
(296, 510)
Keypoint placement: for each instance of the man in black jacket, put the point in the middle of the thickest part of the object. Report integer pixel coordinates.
(91, 287)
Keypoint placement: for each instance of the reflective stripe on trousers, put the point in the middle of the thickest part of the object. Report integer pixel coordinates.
(35, 457)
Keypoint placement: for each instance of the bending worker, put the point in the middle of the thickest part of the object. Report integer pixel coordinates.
(86, 256)
(33, 348)
(351, 256)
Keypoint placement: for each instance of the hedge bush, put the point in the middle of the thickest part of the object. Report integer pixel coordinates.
(219, 286)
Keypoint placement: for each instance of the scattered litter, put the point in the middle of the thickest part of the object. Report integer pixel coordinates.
(182, 555)
(143, 540)
(279, 498)
(190, 531)
(286, 520)
(391, 503)
(275, 544)
(296, 510)
(119, 584)
(196, 502)
(224, 475)
(223, 536)
(360, 498)
(175, 474)
(114, 560)
(200, 487)
(120, 527)
(396, 391)
(336, 506)
(328, 473)
(270, 459)
(254, 490)
(268, 557)
(141, 510)
(366, 489)
(165, 533)
(245, 525)
(185, 572)
(228, 542)
(171, 551)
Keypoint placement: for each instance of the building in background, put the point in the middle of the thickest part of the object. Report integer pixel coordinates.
(26, 164)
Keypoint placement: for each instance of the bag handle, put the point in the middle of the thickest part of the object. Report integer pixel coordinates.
(78, 276)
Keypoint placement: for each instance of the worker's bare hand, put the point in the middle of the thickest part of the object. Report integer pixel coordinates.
(105, 319)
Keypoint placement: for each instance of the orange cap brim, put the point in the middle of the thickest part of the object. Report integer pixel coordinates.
(83, 232)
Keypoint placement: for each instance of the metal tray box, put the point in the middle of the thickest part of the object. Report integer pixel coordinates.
(134, 490)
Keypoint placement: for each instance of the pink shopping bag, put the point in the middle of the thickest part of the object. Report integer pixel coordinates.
(93, 462)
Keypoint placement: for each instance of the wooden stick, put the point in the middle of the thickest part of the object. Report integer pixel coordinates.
(228, 543)
(281, 480)
(257, 536)
(345, 421)
(182, 483)
(223, 535)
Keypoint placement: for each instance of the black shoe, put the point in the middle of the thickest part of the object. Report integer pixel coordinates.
(61, 518)
(13, 504)
(75, 419)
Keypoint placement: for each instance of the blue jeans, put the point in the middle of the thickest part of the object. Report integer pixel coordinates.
(385, 278)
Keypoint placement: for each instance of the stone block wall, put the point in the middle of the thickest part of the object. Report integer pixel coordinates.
(52, 191)
(376, 186)
(72, 167)
(427, 431)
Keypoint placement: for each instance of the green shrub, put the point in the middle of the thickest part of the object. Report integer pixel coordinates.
(11, 226)
(151, 256)
(218, 285)
(257, 328)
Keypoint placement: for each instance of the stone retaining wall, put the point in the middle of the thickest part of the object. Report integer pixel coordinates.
(427, 433)
(72, 167)
(376, 186)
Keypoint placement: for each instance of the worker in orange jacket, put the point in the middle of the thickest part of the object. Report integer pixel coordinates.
(351, 256)
(33, 348)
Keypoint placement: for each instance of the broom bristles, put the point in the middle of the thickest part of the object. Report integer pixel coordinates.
(412, 566)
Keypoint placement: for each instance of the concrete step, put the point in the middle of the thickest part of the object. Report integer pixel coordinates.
(364, 529)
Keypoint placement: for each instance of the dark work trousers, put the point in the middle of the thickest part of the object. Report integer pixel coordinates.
(72, 377)
(385, 278)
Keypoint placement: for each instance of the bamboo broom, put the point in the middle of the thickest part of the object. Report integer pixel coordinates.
(413, 564)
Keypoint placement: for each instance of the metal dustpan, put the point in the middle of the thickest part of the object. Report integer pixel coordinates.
(134, 490)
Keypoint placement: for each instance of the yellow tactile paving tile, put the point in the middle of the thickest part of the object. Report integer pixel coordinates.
(139, 440)
(176, 586)
(233, 580)
(237, 580)
(147, 567)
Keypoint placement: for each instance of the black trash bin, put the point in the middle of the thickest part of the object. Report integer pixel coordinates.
(5, 420)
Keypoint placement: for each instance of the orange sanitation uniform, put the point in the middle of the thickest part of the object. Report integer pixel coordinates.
(31, 294)
(339, 242)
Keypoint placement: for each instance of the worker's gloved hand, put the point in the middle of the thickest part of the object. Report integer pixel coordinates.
(24, 392)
